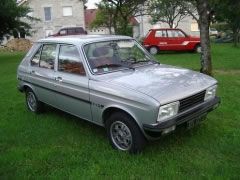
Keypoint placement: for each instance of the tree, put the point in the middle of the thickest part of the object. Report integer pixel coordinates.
(167, 11)
(124, 10)
(229, 11)
(11, 18)
(205, 13)
(104, 16)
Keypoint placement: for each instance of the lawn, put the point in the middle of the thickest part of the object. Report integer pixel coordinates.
(58, 145)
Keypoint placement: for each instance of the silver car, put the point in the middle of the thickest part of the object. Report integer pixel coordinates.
(114, 82)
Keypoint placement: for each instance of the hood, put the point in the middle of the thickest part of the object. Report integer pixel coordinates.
(162, 82)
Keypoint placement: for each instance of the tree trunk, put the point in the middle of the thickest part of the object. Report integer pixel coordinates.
(235, 37)
(204, 24)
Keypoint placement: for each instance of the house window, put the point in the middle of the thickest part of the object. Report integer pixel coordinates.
(194, 27)
(67, 11)
(48, 13)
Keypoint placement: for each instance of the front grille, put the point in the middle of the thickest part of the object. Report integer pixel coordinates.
(191, 101)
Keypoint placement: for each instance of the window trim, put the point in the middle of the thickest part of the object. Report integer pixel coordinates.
(57, 59)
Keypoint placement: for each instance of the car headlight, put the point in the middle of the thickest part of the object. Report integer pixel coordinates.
(210, 93)
(167, 111)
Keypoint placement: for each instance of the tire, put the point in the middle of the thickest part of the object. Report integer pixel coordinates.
(153, 50)
(33, 104)
(198, 48)
(124, 134)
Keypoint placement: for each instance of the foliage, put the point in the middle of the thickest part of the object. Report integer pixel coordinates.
(12, 18)
(167, 11)
(122, 11)
(229, 11)
(104, 16)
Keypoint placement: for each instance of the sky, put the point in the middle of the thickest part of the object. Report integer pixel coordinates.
(90, 4)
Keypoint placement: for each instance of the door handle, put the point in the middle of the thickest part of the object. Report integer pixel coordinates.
(59, 79)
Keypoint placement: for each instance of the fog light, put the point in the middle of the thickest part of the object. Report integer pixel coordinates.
(168, 130)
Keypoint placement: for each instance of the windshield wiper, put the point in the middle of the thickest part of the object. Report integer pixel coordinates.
(114, 65)
(108, 65)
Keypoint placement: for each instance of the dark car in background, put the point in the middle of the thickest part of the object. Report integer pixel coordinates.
(70, 31)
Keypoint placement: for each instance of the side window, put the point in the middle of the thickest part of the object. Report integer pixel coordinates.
(161, 33)
(69, 60)
(36, 58)
(172, 33)
(79, 31)
(180, 34)
(63, 32)
(71, 31)
(48, 56)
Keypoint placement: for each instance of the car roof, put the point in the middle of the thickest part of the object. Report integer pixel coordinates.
(82, 39)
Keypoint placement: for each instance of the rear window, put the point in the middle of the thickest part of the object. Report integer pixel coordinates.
(80, 30)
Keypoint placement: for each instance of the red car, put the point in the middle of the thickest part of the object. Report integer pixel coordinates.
(170, 40)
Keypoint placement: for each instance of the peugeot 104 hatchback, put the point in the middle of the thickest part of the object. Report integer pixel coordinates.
(114, 82)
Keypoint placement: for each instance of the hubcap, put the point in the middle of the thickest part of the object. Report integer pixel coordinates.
(31, 101)
(153, 50)
(121, 135)
(199, 49)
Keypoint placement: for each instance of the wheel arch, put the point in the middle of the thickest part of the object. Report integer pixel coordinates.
(107, 112)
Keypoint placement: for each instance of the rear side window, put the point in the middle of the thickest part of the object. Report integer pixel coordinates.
(48, 56)
(69, 60)
(79, 30)
(36, 58)
(161, 33)
(71, 31)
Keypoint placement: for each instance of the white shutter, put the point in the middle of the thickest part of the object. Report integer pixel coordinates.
(67, 11)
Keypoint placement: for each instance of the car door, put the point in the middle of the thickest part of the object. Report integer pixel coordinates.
(176, 40)
(41, 73)
(161, 40)
(72, 83)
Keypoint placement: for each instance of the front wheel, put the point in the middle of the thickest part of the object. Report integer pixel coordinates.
(124, 134)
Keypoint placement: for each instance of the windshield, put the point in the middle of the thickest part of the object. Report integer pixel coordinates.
(109, 56)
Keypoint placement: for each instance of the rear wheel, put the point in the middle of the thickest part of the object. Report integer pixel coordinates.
(33, 104)
(198, 48)
(153, 50)
(124, 134)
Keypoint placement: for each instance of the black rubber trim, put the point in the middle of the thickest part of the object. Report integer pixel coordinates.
(185, 116)
(74, 97)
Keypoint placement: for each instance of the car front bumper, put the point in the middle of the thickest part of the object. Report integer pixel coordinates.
(194, 113)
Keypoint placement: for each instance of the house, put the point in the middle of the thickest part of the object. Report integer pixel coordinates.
(54, 15)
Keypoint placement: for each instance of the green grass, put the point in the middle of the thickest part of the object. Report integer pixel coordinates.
(58, 145)
(224, 57)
